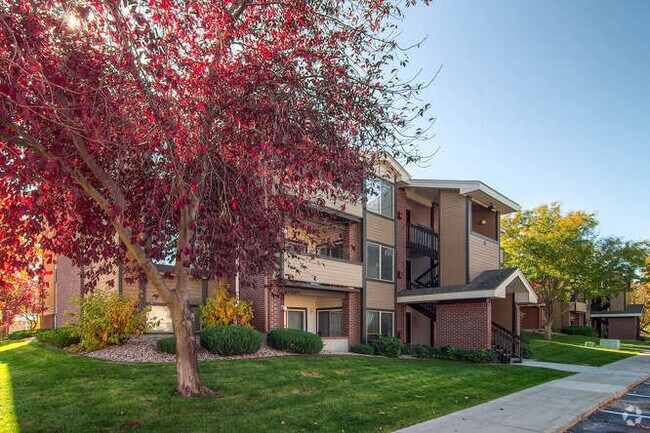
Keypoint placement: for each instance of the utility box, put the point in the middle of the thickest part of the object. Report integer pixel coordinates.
(610, 343)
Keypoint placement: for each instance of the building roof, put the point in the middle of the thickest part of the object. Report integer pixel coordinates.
(632, 310)
(475, 189)
(495, 283)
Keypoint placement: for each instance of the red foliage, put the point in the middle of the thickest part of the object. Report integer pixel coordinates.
(191, 129)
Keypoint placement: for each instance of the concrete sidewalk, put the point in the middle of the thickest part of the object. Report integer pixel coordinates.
(550, 407)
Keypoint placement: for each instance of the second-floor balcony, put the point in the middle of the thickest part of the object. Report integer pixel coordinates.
(422, 239)
(579, 307)
(322, 270)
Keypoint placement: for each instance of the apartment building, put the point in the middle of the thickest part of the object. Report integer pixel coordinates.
(419, 259)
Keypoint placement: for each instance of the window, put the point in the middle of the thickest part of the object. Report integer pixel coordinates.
(380, 198)
(297, 318)
(379, 262)
(379, 323)
(330, 323)
(334, 249)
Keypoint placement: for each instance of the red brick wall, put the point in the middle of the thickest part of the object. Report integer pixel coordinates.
(623, 327)
(275, 313)
(68, 286)
(351, 317)
(252, 289)
(464, 324)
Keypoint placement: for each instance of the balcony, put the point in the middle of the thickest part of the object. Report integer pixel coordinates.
(579, 307)
(422, 239)
(320, 270)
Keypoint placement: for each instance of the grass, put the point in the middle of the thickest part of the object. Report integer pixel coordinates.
(571, 349)
(46, 389)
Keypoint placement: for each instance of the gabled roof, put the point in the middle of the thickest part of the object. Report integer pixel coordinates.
(475, 189)
(494, 283)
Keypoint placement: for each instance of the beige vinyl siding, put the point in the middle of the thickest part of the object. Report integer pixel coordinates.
(453, 238)
(380, 229)
(322, 270)
(380, 295)
(483, 255)
(617, 303)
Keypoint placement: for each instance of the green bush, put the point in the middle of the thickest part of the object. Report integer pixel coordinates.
(451, 353)
(387, 346)
(167, 345)
(479, 356)
(19, 335)
(526, 350)
(587, 331)
(231, 340)
(109, 318)
(295, 341)
(60, 337)
(364, 349)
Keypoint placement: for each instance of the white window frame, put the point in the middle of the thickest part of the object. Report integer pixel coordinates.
(379, 183)
(304, 316)
(381, 313)
(381, 248)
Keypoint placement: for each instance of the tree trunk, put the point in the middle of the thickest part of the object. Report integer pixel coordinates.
(188, 377)
(548, 320)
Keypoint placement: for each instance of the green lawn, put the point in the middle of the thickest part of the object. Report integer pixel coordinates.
(570, 349)
(44, 389)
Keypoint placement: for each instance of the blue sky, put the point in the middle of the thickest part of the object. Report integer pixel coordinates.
(542, 100)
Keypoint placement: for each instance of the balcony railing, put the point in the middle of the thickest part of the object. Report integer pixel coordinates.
(320, 270)
(423, 240)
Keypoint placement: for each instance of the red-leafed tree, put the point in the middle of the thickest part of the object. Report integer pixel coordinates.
(189, 130)
(22, 270)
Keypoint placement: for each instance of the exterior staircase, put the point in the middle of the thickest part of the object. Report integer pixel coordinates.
(506, 344)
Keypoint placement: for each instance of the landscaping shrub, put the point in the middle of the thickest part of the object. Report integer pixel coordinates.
(364, 349)
(387, 346)
(451, 353)
(223, 310)
(167, 345)
(60, 337)
(479, 356)
(448, 352)
(231, 340)
(526, 351)
(587, 331)
(19, 335)
(295, 341)
(109, 318)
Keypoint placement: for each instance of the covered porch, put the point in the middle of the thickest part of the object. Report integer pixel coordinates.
(331, 314)
(482, 314)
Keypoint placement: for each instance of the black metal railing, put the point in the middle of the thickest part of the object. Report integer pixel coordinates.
(506, 343)
(430, 278)
(423, 240)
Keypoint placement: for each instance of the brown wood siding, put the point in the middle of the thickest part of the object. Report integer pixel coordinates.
(483, 255)
(453, 238)
(380, 229)
(380, 295)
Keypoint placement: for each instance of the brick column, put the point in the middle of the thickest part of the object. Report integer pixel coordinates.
(351, 319)
(276, 314)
